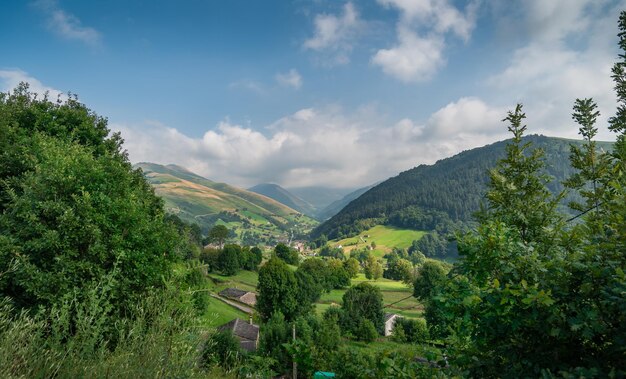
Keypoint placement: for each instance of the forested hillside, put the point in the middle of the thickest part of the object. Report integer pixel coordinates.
(448, 191)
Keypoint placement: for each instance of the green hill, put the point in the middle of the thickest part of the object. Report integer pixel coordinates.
(436, 196)
(254, 218)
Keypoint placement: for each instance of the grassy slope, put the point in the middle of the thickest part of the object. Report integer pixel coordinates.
(385, 237)
(196, 199)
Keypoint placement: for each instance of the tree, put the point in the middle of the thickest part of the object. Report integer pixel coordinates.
(430, 279)
(218, 234)
(73, 212)
(278, 290)
(363, 301)
(287, 254)
(221, 348)
(366, 331)
(372, 268)
(230, 259)
(399, 269)
(352, 267)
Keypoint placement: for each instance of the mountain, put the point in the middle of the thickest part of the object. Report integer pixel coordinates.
(253, 218)
(278, 193)
(320, 197)
(447, 192)
(337, 205)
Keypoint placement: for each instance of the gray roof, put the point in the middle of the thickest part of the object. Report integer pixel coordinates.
(389, 316)
(242, 329)
(233, 292)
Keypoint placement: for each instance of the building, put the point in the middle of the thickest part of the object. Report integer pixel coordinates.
(390, 322)
(246, 332)
(245, 297)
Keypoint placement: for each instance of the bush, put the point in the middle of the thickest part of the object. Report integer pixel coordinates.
(409, 330)
(366, 331)
(221, 348)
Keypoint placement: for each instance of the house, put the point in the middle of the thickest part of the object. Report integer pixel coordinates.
(390, 322)
(246, 332)
(241, 296)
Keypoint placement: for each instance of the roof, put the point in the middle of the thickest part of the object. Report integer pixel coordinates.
(242, 329)
(389, 316)
(233, 292)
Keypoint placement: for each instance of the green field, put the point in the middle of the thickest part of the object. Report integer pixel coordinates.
(397, 297)
(385, 238)
(220, 313)
(245, 280)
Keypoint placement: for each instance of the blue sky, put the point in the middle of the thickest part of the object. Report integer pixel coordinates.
(333, 93)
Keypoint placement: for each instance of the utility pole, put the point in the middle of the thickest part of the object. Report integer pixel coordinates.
(295, 365)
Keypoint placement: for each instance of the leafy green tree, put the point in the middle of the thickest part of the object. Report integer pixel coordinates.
(256, 257)
(352, 267)
(278, 290)
(337, 273)
(430, 279)
(287, 254)
(72, 209)
(372, 268)
(363, 301)
(218, 235)
(399, 269)
(229, 260)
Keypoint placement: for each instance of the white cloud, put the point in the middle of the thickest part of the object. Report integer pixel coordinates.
(319, 146)
(290, 79)
(68, 26)
(568, 55)
(421, 31)
(413, 59)
(11, 78)
(334, 35)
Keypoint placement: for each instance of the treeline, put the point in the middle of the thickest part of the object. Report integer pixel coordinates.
(443, 194)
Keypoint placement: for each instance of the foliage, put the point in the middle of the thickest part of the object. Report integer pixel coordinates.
(362, 302)
(399, 269)
(221, 348)
(277, 290)
(157, 339)
(532, 297)
(372, 268)
(287, 254)
(218, 235)
(366, 331)
(72, 210)
(230, 258)
(410, 330)
(430, 278)
(352, 267)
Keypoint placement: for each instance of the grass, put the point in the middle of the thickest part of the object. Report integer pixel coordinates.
(397, 297)
(385, 238)
(245, 280)
(219, 313)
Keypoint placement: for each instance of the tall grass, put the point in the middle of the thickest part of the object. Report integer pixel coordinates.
(78, 339)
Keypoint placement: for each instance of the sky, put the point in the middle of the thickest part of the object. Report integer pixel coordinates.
(328, 93)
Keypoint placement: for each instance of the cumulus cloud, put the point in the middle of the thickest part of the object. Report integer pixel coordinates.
(292, 79)
(319, 146)
(334, 35)
(422, 30)
(67, 25)
(551, 70)
(9, 79)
